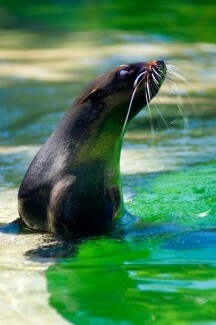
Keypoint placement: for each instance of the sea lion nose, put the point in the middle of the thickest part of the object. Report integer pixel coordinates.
(160, 62)
(156, 63)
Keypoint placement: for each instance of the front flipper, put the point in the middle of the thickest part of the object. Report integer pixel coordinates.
(60, 204)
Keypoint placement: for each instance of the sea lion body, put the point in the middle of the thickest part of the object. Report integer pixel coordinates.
(73, 183)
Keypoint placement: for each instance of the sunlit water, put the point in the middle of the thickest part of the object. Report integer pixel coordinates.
(158, 264)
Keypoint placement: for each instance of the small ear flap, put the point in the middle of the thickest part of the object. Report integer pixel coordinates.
(90, 95)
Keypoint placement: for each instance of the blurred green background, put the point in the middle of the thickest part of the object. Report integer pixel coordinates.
(191, 20)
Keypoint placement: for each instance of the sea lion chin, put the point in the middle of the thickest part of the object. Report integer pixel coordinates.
(73, 183)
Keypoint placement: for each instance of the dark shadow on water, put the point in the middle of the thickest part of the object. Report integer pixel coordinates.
(191, 240)
(12, 228)
(129, 228)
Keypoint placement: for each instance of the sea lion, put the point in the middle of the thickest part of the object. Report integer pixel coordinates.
(73, 183)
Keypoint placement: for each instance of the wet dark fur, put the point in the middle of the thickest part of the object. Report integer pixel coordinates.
(73, 183)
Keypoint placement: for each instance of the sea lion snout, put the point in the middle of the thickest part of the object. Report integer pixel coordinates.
(155, 69)
(160, 64)
(157, 65)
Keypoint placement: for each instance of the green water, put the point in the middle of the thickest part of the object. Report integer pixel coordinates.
(160, 270)
(158, 264)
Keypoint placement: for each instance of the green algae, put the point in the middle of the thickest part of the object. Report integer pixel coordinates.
(186, 197)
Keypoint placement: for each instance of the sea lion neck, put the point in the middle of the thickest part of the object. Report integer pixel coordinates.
(98, 138)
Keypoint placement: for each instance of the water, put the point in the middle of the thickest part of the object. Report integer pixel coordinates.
(158, 265)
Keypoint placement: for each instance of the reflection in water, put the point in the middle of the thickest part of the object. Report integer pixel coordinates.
(133, 281)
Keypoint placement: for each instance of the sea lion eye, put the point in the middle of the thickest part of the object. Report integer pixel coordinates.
(123, 74)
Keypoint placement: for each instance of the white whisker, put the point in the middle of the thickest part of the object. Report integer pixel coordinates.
(156, 82)
(129, 108)
(157, 73)
(178, 76)
(172, 67)
(184, 118)
(128, 112)
(163, 119)
(173, 121)
(147, 84)
(173, 92)
(150, 117)
(185, 92)
(174, 89)
(137, 79)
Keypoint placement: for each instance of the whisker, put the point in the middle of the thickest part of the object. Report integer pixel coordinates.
(155, 80)
(184, 118)
(128, 112)
(148, 91)
(173, 121)
(168, 77)
(173, 88)
(163, 119)
(186, 93)
(157, 73)
(172, 67)
(172, 91)
(151, 90)
(137, 79)
(131, 102)
(178, 76)
(150, 116)
(161, 115)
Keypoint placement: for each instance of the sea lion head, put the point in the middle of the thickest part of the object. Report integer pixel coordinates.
(125, 87)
